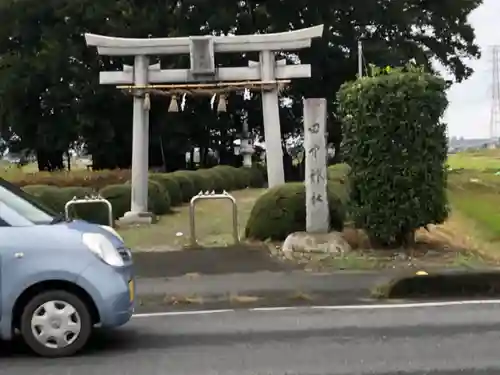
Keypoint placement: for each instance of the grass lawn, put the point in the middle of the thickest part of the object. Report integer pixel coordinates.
(478, 160)
(213, 224)
(474, 195)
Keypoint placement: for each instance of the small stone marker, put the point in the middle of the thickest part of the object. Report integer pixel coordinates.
(317, 213)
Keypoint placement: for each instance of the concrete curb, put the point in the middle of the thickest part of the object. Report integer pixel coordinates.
(298, 288)
(259, 289)
(442, 284)
(161, 303)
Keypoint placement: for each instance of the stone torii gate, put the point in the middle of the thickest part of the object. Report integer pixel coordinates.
(267, 75)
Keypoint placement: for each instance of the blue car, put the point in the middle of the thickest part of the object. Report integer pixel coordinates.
(59, 279)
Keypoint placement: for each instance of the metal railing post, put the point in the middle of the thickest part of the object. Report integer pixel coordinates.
(90, 199)
(212, 195)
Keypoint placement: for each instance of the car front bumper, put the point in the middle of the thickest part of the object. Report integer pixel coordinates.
(113, 291)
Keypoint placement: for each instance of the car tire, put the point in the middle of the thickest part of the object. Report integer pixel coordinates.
(47, 315)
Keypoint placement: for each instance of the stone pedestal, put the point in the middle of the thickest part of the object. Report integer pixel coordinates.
(247, 152)
(137, 218)
(306, 247)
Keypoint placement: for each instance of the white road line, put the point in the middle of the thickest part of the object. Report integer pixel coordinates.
(410, 305)
(174, 313)
(276, 308)
(338, 308)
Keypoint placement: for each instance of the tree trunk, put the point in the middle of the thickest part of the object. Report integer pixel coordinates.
(50, 161)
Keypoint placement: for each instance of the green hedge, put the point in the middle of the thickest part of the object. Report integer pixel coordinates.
(187, 185)
(281, 211)
(48, 196)
(395, 143)
(217, 181)
(338, 172)
(165, 190)
(171, 186)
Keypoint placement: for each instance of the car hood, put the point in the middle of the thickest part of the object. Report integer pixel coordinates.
(65, 236)
(85, 227)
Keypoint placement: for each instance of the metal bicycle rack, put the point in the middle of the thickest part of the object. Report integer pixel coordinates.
(90, 199)
(212, 195)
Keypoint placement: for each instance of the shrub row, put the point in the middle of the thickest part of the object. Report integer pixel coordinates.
(166, 190)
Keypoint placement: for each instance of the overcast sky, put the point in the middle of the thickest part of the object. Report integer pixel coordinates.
(468, 115)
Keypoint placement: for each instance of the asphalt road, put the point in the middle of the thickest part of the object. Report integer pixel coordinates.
(425, 340)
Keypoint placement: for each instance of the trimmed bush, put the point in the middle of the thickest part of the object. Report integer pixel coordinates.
(338, 178)
(229, 175)
(338, 172)
(238, 177)
(83, 211)
(200, 181)
(243, 177)
(258, 178)
(262, 169)
(282, 210)
(119, 196)
(158, 198)
(48, 196)
(165, 189)
(396, 146)
(71, 192)
(188, 189)
(171, 185)
(216, 179)
(56, 198)
(234, 178)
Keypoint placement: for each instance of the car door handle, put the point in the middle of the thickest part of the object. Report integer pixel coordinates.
(19, 255)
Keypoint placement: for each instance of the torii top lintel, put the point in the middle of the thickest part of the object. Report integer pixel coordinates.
(285, 41)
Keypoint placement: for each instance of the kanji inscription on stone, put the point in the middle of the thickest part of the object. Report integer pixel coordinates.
(317, 213)
(313, 151)
(316, 198)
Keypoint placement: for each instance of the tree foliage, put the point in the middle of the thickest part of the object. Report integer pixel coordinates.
(395, 144)
(51, 98)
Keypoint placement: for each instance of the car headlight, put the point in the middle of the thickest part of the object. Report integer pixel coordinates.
(101, 246)
(112, 231)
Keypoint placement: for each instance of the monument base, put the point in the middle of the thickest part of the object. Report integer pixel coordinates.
(314, 246)
(137, 218)
(247, 160)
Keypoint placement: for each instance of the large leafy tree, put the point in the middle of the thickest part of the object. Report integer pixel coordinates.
(50, 96)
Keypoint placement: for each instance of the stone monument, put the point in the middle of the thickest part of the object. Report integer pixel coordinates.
(317, 212)
(316, 243)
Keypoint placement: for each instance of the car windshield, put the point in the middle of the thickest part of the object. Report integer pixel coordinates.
(24, 204)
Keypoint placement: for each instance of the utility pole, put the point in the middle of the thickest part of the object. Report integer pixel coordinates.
(360, 59)
(495, 93)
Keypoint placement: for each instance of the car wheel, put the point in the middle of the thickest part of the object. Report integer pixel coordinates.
(56, 324)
